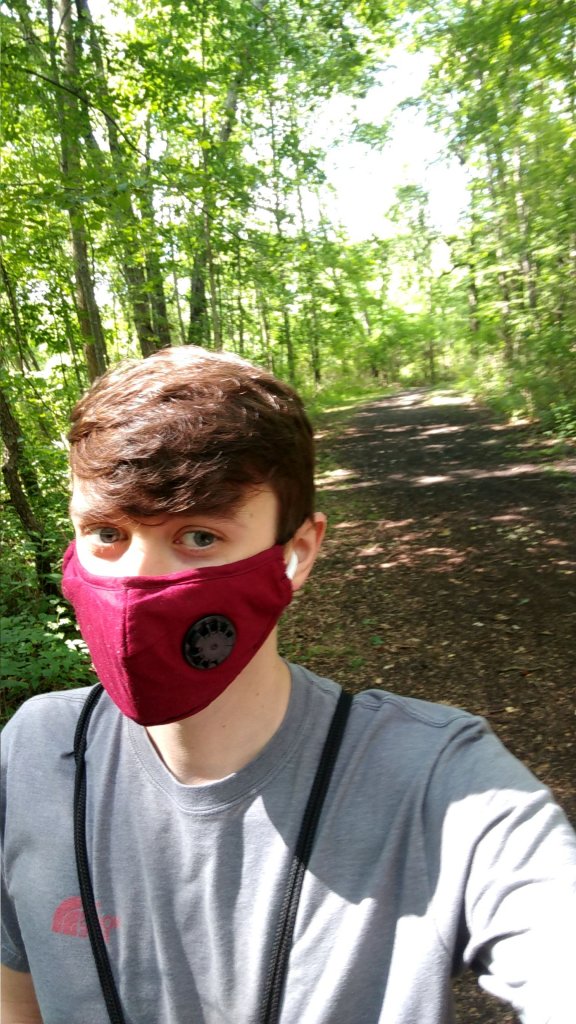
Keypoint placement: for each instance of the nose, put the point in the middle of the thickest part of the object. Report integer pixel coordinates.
(146, 556)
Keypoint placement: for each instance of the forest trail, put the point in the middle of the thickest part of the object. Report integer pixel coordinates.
(449, 574)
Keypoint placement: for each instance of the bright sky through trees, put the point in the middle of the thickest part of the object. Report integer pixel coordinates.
(365, 178)
(361, 180)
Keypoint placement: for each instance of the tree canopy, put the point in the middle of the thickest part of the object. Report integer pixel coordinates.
(162, 186)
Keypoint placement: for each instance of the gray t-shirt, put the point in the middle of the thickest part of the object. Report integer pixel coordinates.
(435, 848)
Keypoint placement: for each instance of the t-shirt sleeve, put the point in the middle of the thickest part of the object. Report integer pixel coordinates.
(510, 844)
(13, 952)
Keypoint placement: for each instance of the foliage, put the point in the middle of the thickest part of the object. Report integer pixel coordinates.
(503, 89)
(42, 652)
(162, 185)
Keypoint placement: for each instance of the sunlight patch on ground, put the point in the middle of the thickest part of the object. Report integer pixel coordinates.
(354, 484)
(446, 559)
(517, 419)
(425, 480)
(346, 479)
(405, 401)
(448, 398)
(369, 552)
(391, 545)
(520, 469)
(442, 429)
(511, 517)
(399, 430)
(393, 524)
(332, 475)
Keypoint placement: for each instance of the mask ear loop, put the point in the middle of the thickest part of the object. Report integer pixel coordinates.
(292, 566)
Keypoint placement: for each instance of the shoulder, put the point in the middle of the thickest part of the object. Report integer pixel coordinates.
(418, 733)
(444, 752)
(410, 761)
(414, 713)
(376, 713)
(37, 749)
(46, 721)
(47, 706)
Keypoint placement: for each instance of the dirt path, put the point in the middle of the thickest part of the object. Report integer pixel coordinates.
(449, 573)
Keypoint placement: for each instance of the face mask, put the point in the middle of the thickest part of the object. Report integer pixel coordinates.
(165, 647)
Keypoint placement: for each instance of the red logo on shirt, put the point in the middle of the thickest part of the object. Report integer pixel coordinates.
(69, 919)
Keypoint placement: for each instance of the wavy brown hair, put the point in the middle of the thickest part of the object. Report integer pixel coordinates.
(187, 429)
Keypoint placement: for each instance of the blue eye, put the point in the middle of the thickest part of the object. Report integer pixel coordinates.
(106, 534)
(197, 539)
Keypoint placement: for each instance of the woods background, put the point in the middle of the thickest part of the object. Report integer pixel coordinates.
(161, 185)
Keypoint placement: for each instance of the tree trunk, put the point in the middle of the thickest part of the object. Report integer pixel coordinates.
(263, 310)
(198, 324)
(26, 357)
(431, 357)
(158, 304)
(473, 303)
(286, 327)
(528, 268)
(181, 330)
(69, 120)
(214, 310)
(198, 329)
(239, 303)
(496, 184)
(139, 261)
(16, 475)
(314, 334)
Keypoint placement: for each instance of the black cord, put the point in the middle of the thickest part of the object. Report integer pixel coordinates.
(281, 950)
(107, 983)
(283, 940)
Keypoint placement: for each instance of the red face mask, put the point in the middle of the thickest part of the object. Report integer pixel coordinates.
(164, 647)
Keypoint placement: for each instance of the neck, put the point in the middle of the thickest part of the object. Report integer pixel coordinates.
(230, 732)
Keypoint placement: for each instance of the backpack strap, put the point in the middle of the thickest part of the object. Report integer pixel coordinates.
(276, 978)
(107, 983)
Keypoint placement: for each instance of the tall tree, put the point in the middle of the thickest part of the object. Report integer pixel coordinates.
(70, 118)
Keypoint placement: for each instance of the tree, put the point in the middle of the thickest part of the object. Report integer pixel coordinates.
(21, 484)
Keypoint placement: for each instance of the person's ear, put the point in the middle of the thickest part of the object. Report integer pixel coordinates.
(305, 545)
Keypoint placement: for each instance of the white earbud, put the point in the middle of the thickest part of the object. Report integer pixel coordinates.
(292, 565)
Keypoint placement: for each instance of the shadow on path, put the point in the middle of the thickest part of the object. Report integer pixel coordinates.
(449, 573)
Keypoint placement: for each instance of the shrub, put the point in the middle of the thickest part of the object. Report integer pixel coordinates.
(41, 651)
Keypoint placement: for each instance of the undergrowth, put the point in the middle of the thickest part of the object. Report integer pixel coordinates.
(524, 393)
(41, 651)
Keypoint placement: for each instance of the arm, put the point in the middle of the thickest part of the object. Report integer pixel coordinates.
(525, 916)
(504, 876)
(19, 1004)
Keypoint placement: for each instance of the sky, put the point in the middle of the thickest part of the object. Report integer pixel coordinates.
(365, 179)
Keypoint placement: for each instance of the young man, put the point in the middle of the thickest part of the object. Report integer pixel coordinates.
(194, 520)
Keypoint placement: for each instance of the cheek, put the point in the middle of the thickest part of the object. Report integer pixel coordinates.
(99, 562)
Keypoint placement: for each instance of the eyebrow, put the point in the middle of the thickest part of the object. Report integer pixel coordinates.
(96, 513)
(93, 512)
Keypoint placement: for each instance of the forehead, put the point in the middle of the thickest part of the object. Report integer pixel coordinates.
(86, 502)
(256, 505)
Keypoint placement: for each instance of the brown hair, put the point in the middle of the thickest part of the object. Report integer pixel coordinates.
(187, 429)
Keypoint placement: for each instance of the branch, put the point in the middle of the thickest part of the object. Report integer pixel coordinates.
(80, 96)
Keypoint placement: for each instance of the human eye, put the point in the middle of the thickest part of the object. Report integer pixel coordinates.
(197, 540)
(103, 536)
